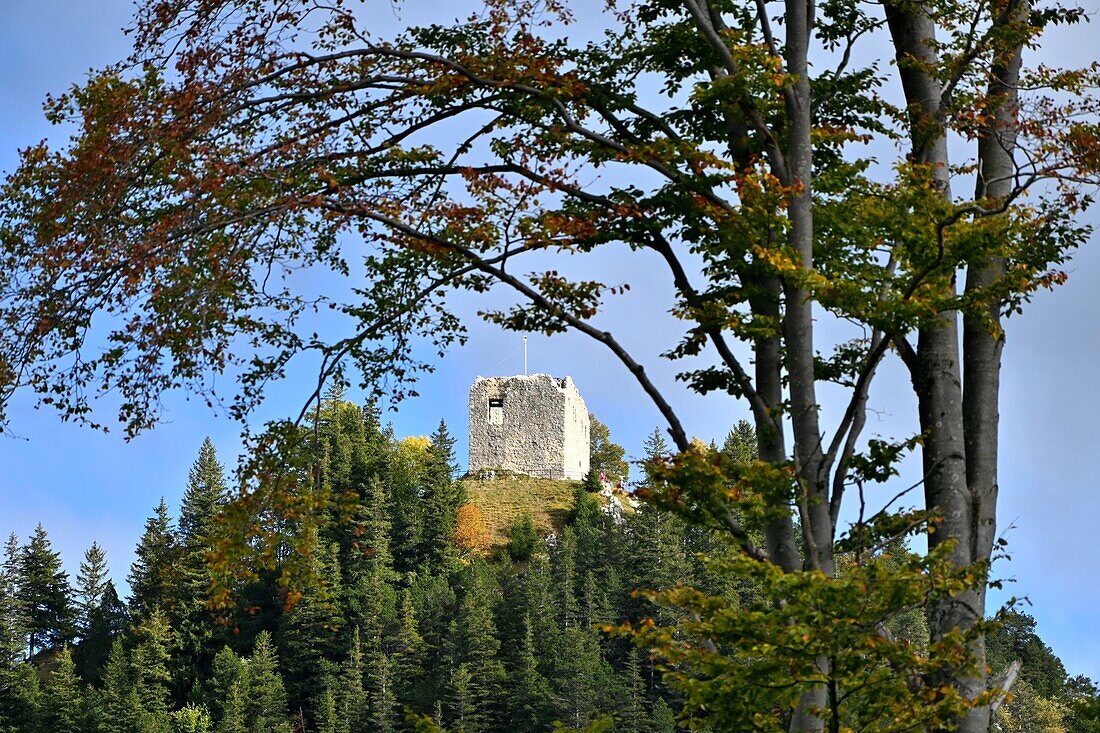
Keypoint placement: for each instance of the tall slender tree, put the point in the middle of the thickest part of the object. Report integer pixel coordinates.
(12, 624)
(228, 686)
(351, 705)
(442, 497)
(107, 623)
(309, 635)
(196, 639)
(63, 701)
(380, 688)
(405, 475)
(658, 550)
(477, 650)
(150, 661)
(44, 594)
(369, 572)
(529, 692)
(581, 677)
(409, 655)
(327, 716)
(120, 710)
(207, 490)
(155, 573)
(265, 696)
(91, 584)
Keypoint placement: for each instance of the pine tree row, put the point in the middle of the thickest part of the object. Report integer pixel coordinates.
(395, 615)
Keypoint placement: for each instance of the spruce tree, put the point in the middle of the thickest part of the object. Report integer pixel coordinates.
(462, 702)
(658, 555)
(655, 448)
(368, 571)
(662, 718)
(565, 579)
(206, 491)
(352, 445)
(91, 583)
(477, 649)
(600, 544)
(20, 699)
(595, 603)
(592, 528)
(632, 712)
(540, 607)
(383, 703)
(196, 635)
(12, 551)
(591, 482)
(434, 601)
(233, 717)
(741, 444)
(328, 720)
(579, 670)
(581, 677)
(442, 496)
(379, 439)
(120, 710)
(309, 633)
(63, 703)
(404, 481)
(229, 683)
(12, 623)
(154, 575)
(44, 594)
(409, 654)
(523, 539)
(351, 704)
(265, 696)
(106, 623)
(374, 543)
(149, 663)
(350, 450)
(529, 692)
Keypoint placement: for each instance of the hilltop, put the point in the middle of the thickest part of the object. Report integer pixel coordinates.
(504, 499)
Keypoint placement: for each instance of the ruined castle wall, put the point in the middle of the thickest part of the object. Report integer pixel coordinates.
(528, 424)
(577, 424)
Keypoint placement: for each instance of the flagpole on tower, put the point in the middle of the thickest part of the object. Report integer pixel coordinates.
(525, 356)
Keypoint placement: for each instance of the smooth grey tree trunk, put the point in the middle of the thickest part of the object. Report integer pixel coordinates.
(958, 401)
(798, 331)
(937, 379)
(983, 338)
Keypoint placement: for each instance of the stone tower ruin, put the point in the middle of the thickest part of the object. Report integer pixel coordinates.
(535, 425)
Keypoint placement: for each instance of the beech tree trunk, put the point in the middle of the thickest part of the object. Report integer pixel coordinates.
(937, 377)
(958, 399)
(798, 331)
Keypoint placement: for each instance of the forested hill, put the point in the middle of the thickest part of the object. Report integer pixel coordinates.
(412, 600)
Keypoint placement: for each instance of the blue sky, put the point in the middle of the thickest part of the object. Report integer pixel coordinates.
(86, 486)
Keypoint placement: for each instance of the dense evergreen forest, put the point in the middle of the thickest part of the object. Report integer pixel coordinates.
(404, 612)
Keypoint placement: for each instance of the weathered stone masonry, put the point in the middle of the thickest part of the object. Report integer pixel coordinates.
(535, 425)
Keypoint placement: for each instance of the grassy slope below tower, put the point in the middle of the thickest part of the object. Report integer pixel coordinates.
(504, 499)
